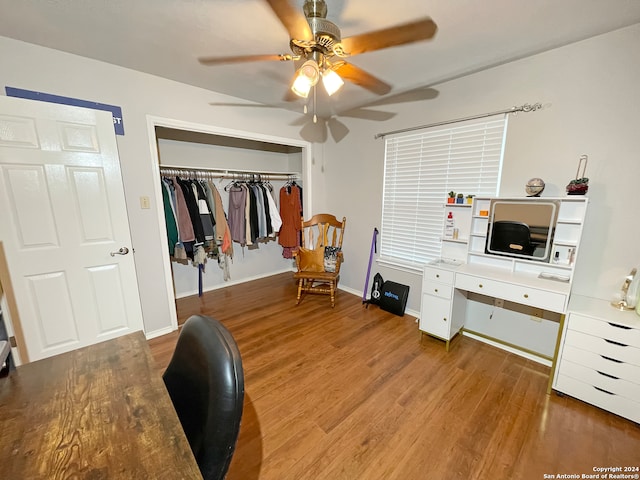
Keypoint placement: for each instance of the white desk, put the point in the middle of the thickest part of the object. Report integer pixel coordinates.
(444, 296)
(518, 287)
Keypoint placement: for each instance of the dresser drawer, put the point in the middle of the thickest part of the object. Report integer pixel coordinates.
(600, 346)
(609, 401)
(534, 297)
(438, 289)
(600, 380)
(604, 364)
(438, 275)
(610, 330)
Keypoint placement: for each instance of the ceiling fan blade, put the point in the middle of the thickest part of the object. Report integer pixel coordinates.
(358, 76)
(315, 132)
(416, 31)
(338, 129)
(244, 58)
(367, 114)
(293, 19)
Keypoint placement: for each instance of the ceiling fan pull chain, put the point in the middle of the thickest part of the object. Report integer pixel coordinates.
(315, 117)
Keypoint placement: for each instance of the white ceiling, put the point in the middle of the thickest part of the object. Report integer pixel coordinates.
(165, 38)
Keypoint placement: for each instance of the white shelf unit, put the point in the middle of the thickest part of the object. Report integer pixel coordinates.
(455, 249)
(566, 240)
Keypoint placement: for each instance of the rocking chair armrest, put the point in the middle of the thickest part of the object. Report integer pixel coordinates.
(296, 257)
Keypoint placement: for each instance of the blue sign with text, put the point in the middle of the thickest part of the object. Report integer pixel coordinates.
(116, 112)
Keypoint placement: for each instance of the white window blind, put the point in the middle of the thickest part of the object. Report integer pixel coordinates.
(421, 167)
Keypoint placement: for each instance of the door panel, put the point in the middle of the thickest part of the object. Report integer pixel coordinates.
(91, 203)
(49, 293)
(62, 192)
(29, 202)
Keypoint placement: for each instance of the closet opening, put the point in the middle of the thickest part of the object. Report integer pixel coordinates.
(216, 161)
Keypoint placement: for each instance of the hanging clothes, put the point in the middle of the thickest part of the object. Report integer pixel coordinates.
(276, 221)
(290, 213)
(205, 209)
(170, 219)
(237, 222)
(198, 228)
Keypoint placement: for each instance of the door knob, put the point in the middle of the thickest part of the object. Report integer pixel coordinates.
(121, 251)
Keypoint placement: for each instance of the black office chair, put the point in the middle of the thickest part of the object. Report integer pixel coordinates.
(511, 237)
(205, 381)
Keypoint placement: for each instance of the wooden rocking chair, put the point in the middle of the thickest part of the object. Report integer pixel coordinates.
(320, 255)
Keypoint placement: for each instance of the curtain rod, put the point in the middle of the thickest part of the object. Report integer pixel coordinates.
(224, 173)
(522, 108)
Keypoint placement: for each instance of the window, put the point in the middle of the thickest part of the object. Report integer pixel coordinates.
(420, 168)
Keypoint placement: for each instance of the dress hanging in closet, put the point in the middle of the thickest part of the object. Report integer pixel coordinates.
(291, 213)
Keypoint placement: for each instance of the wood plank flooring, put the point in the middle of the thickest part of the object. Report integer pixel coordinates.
(355, 393)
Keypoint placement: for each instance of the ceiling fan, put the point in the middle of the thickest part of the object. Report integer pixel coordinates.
(318, 49)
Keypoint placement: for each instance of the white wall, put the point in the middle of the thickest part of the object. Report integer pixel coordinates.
(35, 68)
(592, 89)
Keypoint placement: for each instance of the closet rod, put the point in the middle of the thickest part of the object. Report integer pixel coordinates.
(226, 174)
(522, 108)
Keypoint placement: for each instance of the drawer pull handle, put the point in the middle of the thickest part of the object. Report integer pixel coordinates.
(480, 285)
(437, 275)
(526, 295)
(607, 375)
(435, 290)
(603, 390)
(615, 343)
(612, 359)
(624, 327)
(444, 319)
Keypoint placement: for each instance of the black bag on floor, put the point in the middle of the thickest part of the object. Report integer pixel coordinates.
(376, 289)
(393, 297)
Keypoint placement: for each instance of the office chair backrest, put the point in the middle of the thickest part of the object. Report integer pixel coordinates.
(511, 237)
(205, 381)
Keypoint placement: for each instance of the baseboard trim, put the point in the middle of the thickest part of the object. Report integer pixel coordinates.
(232, 282)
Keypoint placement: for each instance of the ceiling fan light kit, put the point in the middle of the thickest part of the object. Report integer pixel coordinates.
(306, 77)
(331, 81)
(319, 43)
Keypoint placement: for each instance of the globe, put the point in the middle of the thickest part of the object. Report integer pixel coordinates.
(534, 187)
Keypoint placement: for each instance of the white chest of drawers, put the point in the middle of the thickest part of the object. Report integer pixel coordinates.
(441, 312)
(599, 357)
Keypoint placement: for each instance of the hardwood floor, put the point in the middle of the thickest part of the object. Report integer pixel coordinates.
(354, 393)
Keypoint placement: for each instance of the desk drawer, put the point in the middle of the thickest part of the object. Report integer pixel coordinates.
(552, 301)
(601, 380)
(599, 328)
(438, 289)
(604, 364)
(600, 346)
(608, 401)
(438, 275)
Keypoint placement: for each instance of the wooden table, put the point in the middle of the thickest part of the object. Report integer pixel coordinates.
(100, 412)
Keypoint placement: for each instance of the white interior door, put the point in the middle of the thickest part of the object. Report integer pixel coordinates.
(64, 226)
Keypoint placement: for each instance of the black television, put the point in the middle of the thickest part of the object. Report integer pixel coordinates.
(522, 228)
